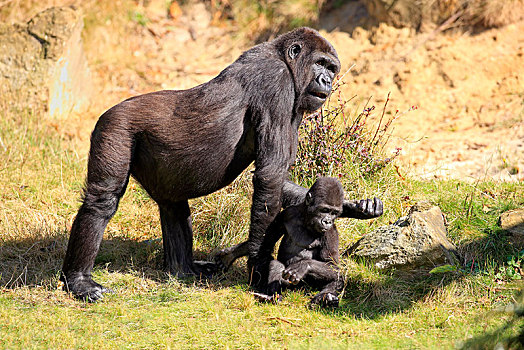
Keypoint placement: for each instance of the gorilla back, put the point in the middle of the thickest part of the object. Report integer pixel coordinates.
(185, 144)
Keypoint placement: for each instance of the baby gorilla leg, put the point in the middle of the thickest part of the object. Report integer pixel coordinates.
(274, 283)
(327, 278)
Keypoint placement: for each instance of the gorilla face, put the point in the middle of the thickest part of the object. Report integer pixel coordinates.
(318, 90)
(314, 64)
(323, 204)
(322, 217)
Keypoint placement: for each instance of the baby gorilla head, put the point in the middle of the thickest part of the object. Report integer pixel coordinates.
(323, 204)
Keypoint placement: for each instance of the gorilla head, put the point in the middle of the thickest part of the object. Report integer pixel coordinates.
(316, 61)
(323, 204)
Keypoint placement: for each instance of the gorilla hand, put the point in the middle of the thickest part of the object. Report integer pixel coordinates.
(294, 273)
(363, 209)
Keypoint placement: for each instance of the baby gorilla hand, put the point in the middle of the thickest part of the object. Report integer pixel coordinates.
(294, 273)
(363, 209)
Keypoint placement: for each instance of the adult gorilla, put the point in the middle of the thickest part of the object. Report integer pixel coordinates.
(189, 143)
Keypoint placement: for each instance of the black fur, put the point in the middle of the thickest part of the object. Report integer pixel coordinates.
(308, 252)
(292, 195)
(189, 143)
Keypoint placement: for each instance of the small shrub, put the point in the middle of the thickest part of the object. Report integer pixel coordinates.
(259, 21)
(446, 13)
(493, 13)
(138, 17)
(330, 143)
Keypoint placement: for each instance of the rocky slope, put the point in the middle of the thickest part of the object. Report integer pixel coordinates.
(469, 89)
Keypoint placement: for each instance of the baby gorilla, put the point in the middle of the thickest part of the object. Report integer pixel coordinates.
(308, 253)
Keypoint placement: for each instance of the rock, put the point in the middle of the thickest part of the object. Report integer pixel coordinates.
(405, 13)
(415, 241)
(427, 14)
(156, 9)
(512, 221)
(42, 63)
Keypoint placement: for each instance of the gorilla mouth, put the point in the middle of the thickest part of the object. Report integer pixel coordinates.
(319, 94)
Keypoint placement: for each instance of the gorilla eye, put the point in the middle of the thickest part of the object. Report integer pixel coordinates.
(294, 50)
(330, 67)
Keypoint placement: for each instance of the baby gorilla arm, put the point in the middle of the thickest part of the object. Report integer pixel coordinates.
(317, 273)
(320, 272)
(293, 194)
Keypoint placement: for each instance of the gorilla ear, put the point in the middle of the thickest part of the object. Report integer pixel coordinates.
(309, 199)
(294, 50)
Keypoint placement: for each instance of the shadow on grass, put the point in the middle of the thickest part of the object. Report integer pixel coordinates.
(37, 262)
(398, 290)
(33, 261)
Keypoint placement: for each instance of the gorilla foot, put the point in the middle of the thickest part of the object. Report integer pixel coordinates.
(205, 269)
(224, 260)
(84, 288)
(198, 269)
(275, 298)
(226, 257)
(325, 300)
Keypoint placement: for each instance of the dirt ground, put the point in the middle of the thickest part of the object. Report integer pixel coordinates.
(468, 89)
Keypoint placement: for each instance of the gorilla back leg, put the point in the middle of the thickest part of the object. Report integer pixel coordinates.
(107, 178)
(330, 282)
(86, 235)
(177, 238)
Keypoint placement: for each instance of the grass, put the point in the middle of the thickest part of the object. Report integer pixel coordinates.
(42, 170)
(41, 180)
(171, 315)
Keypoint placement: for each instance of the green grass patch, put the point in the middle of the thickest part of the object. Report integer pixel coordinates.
(172, 314)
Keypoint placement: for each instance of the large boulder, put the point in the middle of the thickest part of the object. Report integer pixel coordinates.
(42, 62)
(413, 242)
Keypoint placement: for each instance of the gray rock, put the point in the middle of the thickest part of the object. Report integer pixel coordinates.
(512, 221)
(42, 63)
(415, 241)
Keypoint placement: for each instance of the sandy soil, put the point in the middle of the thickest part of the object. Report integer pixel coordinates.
(468, 89)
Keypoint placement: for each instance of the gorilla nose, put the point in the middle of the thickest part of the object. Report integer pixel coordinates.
(324, 82)
(326, 223)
